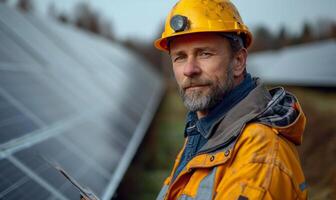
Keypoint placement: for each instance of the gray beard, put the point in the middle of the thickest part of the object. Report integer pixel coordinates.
(196, 101)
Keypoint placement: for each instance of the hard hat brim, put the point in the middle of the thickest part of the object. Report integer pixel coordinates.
(162, 43)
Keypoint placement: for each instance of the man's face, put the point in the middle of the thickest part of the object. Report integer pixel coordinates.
(202, 66)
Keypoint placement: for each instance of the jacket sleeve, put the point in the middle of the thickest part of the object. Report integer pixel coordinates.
(263, 165)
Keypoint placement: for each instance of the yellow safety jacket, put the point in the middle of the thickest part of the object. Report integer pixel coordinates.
(248, 156)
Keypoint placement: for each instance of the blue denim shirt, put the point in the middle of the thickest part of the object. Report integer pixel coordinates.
(198, 131)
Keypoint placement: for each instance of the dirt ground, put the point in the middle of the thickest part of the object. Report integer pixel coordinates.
(156, 154)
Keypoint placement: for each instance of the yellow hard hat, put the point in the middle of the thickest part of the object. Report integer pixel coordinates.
(195, 16)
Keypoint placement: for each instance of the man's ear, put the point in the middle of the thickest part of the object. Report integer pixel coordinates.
(239, 62)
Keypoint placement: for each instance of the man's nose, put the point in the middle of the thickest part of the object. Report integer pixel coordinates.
(191, 68)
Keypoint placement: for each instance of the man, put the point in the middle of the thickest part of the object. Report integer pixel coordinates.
(240, 137)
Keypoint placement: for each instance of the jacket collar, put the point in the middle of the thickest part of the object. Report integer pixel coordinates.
(235, 119)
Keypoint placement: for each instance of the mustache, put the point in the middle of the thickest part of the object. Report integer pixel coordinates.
(192, 82)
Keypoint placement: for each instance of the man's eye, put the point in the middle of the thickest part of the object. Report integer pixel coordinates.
(178, 58)
(205, 54)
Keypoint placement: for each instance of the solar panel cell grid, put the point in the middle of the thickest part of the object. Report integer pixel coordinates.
(36, 96)
(28, 190)
(15, 184)
(88, 134)
(13, 123)
(10, 51)
(80, 169)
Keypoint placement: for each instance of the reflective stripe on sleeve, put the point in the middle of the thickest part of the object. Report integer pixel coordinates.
(162, 193)
(205, 188)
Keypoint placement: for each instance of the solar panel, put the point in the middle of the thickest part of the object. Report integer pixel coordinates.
(16, 184)
(70, 97)
(285, 66)
(13, 123)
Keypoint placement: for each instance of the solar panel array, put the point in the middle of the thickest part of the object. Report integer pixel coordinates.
(70, 97)
(311, 64)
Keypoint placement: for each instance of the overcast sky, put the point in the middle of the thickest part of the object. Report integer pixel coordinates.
(142, 18)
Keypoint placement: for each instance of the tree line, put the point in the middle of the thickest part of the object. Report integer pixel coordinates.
(86, 18)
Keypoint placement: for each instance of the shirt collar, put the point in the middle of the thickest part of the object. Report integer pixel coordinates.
(206, 124)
